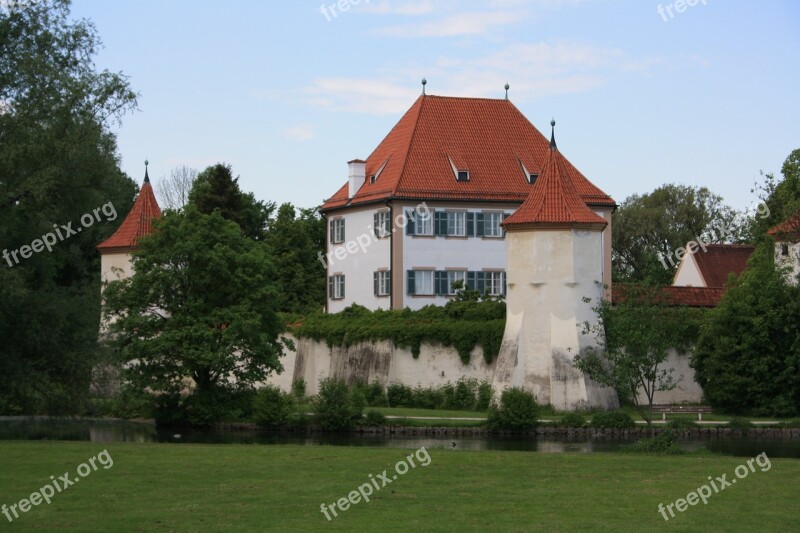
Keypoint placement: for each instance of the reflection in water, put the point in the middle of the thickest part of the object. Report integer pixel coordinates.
(43, 428)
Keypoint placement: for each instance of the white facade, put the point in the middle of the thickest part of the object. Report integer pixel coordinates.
(688, 273)
(788, 254)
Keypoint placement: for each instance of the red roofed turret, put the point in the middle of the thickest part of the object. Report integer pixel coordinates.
(137, 224)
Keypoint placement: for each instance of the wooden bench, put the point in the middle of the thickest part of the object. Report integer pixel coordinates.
(674, 409)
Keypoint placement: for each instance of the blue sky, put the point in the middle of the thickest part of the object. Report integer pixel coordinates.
(287, 94)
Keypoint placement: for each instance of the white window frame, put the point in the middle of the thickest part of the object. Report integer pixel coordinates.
(383, 228)
(452, 277)
(494, 280)
(384, 283)
(419, 283)
(338, 287)
(423, 223)
(338, 230)
(454, 219)
(497, 230)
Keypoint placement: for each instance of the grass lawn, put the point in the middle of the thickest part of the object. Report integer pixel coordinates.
(159, 487)
(409, 411)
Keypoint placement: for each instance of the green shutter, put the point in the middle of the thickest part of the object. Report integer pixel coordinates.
(504, 282)
(480, 229)
(480, 282)
(411, 282)
(375, 229)
(343, 285)
(440, 223)
(440, 282)
(330, 287)
(375, 283)
(410, 220)
(331, 232)
(470, 281)
(470, 224)
(505, 216)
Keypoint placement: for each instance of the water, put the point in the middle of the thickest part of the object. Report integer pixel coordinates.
(109, 431)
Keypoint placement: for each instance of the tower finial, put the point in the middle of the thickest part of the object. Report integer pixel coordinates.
(146, 176)
(507, 88)
(424, 83)
(553, 134)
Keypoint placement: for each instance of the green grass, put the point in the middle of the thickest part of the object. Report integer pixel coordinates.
(159, 487)
(409, 411)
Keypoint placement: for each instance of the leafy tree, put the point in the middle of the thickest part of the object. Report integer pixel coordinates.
(201, 306)
(58, 161)
(648, 228)
(748, 355)
(633, 345)
(782, 198)
(216, 188)
(296, 240)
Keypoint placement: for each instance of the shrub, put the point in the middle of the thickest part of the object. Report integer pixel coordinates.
(335, 406)
(465, 394)
(612, 419)
(299, 389)
(399, 395)
(572, 420)
(739, 423)
(374, 418)
(272, 407)
(427, 398)
(681, 423)
(517, 411)
(485, 393)
(666, 443)
(376, 396)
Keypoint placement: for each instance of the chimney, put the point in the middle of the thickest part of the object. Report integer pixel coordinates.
(356, 176)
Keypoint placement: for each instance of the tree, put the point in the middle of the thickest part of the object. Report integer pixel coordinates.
(782, 198)
(201, 305)
(58, 161)
(173, 191)
(216, 188)
(647, 229)
(297, 240)
(748, 355)
(634, 340)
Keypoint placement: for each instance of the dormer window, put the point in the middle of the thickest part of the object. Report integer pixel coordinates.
(532, 177)
(463, 175)
(372, 178)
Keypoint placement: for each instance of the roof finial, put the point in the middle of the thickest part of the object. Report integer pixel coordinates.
(553, 134)
(424, 82)
(507, 88)
(146, 177)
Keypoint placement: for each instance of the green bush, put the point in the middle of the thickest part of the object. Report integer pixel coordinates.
(666, 443)
(465, 394)
(740, 423)
(272, 407)
(485, 394)
(427, 398)
(517, 411)
(572, 420)
(681, 423)
(374, 418)
(336, 408)
(376, 396)
(399, 395)
(612, 419)
(299, 389)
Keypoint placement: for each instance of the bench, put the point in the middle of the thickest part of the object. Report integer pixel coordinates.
(673, 409)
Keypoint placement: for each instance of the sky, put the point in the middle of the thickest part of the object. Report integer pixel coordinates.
(643, 92)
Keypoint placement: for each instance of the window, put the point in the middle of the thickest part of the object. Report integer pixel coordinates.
(382, 224)
(337, 230)
(424, 223)
(454, 276)
(420, 282)
(491, 224)
(456, 223)
(463, 175)
(382, 283)
(336, 287)
(532, 177)
(495, 283)
(784, 249)
(372, 178)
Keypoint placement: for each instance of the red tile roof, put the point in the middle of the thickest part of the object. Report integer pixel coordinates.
(719, 260)
(553, 199)
(788, 230)
(669, 295)
(489, 137)
(137, 224)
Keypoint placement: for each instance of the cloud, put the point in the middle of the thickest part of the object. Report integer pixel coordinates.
(398, 8)
(300, 133)
(533, 70)
(469, 23)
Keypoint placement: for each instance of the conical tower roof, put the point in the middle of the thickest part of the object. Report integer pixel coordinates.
(137, 224)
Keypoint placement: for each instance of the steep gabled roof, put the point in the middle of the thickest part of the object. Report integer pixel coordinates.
(719, 260)
(553, 199)
(137, 224)
(788, 230)
(490, 137)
